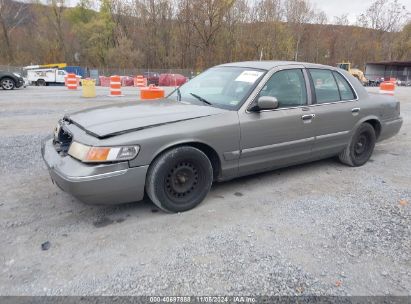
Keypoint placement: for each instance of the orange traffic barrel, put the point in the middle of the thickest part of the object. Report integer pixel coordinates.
(140, 81)
(387, 87)
(72, 83)
(151, 92)
(115, 86)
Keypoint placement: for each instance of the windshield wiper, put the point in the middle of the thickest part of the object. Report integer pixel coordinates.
(201, 99)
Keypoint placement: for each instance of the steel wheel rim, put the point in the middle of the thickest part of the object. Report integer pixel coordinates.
(182, 181)
(361, 146)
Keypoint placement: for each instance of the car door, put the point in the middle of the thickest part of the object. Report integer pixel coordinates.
(336, 108)
(60, 75)
(282, 136)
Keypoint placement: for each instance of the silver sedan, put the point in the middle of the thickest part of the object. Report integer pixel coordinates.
(232, 120)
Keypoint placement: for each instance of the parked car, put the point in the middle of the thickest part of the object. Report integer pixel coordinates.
(152, 78)
(127, 81)
(175, 80)
(232, 120)
(10, 81)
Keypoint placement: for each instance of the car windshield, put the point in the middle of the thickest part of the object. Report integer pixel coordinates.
(223, 87)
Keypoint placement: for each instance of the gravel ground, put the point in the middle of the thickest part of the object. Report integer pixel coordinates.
(315, 229)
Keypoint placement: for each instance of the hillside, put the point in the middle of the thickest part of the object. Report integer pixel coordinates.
(192, 34)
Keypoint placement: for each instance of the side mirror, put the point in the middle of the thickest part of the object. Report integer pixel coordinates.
(266, 103)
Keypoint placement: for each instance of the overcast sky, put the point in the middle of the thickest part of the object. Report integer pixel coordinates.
(335, 7)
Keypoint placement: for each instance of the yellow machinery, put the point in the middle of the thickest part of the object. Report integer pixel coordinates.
(54, 65)
(45, 66)
(357, 73)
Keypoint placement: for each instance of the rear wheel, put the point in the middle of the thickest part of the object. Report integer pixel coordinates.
(41, 82)
(179, 179)
(7, 84)
(362, 144)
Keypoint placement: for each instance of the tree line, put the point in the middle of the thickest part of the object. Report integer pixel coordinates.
(196, 34)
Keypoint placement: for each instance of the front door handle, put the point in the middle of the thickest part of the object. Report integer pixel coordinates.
(307, 117)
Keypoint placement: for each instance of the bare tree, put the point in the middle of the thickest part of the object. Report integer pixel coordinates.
(12, 15)
(56, 21)
(185, 33)
(385, 16)
(235, 18)
(341, 20)
(298, 14)
(269, 36)
(320, 19)
(267, 11)
(207, 20)
(403, 43)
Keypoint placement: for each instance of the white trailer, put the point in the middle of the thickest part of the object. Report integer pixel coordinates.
(42, 77)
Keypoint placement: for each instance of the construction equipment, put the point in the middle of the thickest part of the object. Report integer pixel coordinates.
(43, 77)
(44, 66)
(52, 73)
(357, 73)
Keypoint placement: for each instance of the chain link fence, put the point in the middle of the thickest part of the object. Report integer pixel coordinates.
(106, 71)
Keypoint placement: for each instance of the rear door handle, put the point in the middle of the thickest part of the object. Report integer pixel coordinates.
(355, 110)
(307, 117)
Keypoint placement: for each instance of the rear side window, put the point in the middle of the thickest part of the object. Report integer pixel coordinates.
(344, 87)
(326, 89)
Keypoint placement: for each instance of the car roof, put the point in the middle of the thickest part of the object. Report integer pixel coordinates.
(268, 65)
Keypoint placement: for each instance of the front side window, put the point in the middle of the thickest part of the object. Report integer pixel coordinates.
(223, 87)
(288, 86)
(326, 89)
(344, 87)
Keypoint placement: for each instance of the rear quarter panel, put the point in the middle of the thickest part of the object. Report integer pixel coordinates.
(380, 107)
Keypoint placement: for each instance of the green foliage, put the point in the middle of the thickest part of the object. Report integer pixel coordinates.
(81, 14)
(96, 37)
(94, 31)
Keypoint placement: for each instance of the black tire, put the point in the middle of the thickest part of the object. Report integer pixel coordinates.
(179, 179)
(41, 82)
(7, 83)
(360, 148)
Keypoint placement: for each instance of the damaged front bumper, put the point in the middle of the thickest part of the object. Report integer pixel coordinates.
(113, 183)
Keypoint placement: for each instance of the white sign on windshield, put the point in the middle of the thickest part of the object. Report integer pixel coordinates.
(249, 76)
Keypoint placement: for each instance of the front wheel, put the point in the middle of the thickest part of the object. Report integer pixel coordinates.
(179, 179)
(360, 148)
(7, 84)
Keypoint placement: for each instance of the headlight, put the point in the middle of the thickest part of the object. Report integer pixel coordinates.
(17, 75)
(88, 154)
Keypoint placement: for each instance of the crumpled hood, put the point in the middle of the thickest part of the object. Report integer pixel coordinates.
(111, 120)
